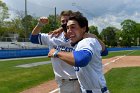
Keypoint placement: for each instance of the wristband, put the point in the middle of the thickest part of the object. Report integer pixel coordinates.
(55, 54)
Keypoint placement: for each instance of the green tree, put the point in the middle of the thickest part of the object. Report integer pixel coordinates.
(15, 27)
(109, 36)
(27, 25)
(137, 35)
(3, 15)
(94, 30)
(3, 33)
(129, 31)
(129, 26)
(32, 22)
(3, 12)
(119, 37)
(24, 25)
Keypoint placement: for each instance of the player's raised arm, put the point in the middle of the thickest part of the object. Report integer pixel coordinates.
(35, 32)
(41, 22)
(56, 32)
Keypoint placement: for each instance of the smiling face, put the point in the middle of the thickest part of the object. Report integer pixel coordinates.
(74, 31)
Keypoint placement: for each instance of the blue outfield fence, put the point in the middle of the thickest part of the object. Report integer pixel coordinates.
(4, 54)
(23, 53)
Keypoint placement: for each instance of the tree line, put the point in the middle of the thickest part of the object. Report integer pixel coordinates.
(127, 36)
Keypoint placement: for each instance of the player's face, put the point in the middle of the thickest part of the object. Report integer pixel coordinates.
(64, 19)
(74, 31)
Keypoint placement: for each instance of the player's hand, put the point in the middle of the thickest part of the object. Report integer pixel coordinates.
(50, 54)
(56, 32)
(43, 21)
(86, 35)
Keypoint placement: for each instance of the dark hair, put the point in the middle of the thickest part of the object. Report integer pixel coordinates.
(82, 21)
(66, 13)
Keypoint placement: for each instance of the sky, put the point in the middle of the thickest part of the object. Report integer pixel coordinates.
(101, 13)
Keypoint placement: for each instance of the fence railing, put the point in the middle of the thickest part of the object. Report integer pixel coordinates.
(13, 39)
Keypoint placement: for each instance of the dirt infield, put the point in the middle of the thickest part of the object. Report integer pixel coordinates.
(114, 62)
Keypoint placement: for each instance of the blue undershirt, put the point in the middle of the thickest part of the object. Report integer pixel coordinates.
(34, 39)
(105, 52)
(82, 58)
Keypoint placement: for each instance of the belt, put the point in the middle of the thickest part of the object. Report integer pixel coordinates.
(102, 90)
(69, 79)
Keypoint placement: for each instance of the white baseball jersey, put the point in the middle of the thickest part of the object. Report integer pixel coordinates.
(61, 69)
(91, 76)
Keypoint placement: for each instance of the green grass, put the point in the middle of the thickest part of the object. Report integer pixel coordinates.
(135, 53)
(121, 53)
(124, 80)
(14, 79)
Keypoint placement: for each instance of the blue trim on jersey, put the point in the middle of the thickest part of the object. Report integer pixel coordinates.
(39, 37)
(88, 50)
(105, 52)
(34, 39)
(82, 58)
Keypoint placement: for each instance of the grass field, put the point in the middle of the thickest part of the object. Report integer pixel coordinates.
(121, 53)
(14, 79)
(124, 80)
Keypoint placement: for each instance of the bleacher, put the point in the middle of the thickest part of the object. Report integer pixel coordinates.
(11, 48)
(21, 49)
(19, 45)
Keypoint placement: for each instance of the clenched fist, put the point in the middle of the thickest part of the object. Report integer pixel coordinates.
(43, 21)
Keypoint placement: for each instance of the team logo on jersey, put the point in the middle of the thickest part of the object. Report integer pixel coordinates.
(63, 48)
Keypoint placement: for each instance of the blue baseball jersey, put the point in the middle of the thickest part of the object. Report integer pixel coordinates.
(91, 76)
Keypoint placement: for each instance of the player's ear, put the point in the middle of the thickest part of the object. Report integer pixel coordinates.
(84, 29)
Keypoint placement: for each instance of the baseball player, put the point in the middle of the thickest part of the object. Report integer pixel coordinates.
(85, 57)
(65, 75)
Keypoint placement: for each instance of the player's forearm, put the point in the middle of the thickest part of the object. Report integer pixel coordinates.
(56, 32)
(41, 22)
(36, 30)
(67, 57)
(60, 29)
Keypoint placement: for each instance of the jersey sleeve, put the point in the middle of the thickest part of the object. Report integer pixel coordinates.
(34, 39)
(81, 61)
(90, 44)
(43, 39)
